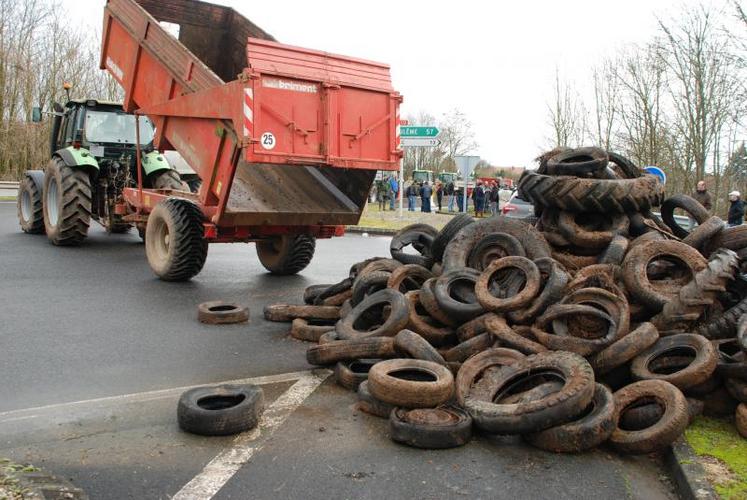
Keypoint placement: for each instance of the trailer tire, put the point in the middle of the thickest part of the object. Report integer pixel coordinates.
(67, 203)
(288, 254)
(174, 240)
(30, 210)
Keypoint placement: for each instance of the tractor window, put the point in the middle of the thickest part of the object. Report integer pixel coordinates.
(118, 128)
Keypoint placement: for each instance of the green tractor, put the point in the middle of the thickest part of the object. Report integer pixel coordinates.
(93, 158)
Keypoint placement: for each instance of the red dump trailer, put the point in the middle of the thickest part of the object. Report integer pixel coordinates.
(286, 140)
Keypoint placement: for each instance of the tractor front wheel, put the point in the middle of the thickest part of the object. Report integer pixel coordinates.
(287, 254)
(175, 242)
(67, 203)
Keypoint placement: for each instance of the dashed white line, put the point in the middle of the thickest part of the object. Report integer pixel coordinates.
(222, 468)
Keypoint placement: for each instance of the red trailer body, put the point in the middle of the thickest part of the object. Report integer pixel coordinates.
(290, 144)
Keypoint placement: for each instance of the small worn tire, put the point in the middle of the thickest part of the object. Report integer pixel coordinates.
(413, 345)
(310, 330)
(578, 161)
(624, 349)
(407, 393)
(701, 235)
(420, 237)
(351, 373)
(686, 203)
(347, 350)
(553, 410)
(532, 281)
(584, 433)
(410, 274)
(491, 247)
(397, 320)
(431, 428)
(447, 233)
(509, 338)
(554, 281)
(442, 289)
(665, 431)
(205, 410)
(701, 368)
(474, 367)
(289, 312)
(218, 312)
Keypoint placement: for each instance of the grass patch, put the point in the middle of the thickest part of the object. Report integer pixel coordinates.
(389, 219)
(7, 198)
(719, 439)
(9, 487)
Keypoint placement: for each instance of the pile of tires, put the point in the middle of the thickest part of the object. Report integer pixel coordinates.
(600, 323)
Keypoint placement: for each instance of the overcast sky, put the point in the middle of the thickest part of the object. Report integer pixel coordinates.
(495, 61)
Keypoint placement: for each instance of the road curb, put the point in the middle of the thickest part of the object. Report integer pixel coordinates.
(689, 476)
(370, 230)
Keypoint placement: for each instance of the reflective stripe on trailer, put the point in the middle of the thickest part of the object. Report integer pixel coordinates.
(248, 111)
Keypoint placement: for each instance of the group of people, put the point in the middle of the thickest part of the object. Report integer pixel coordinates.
(485, 195)
(424, 191)
(735, 216)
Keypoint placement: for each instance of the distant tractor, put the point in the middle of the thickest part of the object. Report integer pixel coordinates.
(92, 159)
(447, 177)
(420, 176)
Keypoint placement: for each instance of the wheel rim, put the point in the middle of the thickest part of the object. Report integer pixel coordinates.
(26, 205)
(52, 199)
(161, 240)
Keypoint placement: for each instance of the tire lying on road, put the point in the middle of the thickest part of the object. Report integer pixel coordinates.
(411, 383)
(220, 410)
(431, 428)
(218, 312)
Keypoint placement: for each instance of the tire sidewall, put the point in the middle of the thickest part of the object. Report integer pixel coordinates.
(160, 215)
(52, 174)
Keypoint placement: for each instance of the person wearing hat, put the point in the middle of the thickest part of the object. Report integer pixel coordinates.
(736, 209)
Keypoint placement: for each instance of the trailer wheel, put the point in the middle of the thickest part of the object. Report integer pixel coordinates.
(67, 203)
(30, 212)
(174, 240)
(287, 254)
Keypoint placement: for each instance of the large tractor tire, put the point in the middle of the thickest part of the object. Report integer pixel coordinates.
(67, 203)
(287, 254)
(30, 210)
(169, 179)
(175, 242)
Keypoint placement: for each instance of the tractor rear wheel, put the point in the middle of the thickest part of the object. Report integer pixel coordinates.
(30, 211)
(169, 179)
(67, 203)
(287, 254)
(175, 242)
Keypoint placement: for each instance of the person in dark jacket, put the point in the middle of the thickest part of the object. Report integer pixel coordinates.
(450, 194)
(478, 198)
(425, 197)
(411, 191)
(736, 209)
(439, 194)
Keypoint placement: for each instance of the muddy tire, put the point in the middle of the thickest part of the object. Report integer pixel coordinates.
(67, 203)
(174, 240)
(330, 353)
(470, 347)
(635, 268)
(424, 325)
(725, 325)
(420, 237)
(689, 205)
(218, 312)
(491, 247)
(508, 337)
(578, 161)
(30, 209)
(367, 319)
(169, 179)
(310, 330)
(701, 235)
(512, 301)
(413, 345)
(455, 294)
(693, 299)
(665, 431)
(287, 254)
(474, 368)
(220, 410)
(368, 284)
(431, 428)
(624, 349)
(554, 281)
(352, 373)
(591, 195)
(696, 372)
(585, 433)
(562, 406)
(447, 233)
(411, 383)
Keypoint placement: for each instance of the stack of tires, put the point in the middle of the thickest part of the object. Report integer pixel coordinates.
(597, 325)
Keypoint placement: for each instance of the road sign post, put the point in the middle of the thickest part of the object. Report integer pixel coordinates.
(414, 137)
(466, 164)
(419, 131)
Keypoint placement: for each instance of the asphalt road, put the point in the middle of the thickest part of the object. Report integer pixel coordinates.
(77, 324)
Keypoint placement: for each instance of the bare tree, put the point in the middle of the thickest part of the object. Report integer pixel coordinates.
(457, 138)
(567, 116)
(606, 102)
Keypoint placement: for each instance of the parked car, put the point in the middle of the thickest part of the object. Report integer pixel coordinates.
(516, 208)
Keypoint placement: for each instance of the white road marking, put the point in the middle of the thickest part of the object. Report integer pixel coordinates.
(222, 468)
(27, 413)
